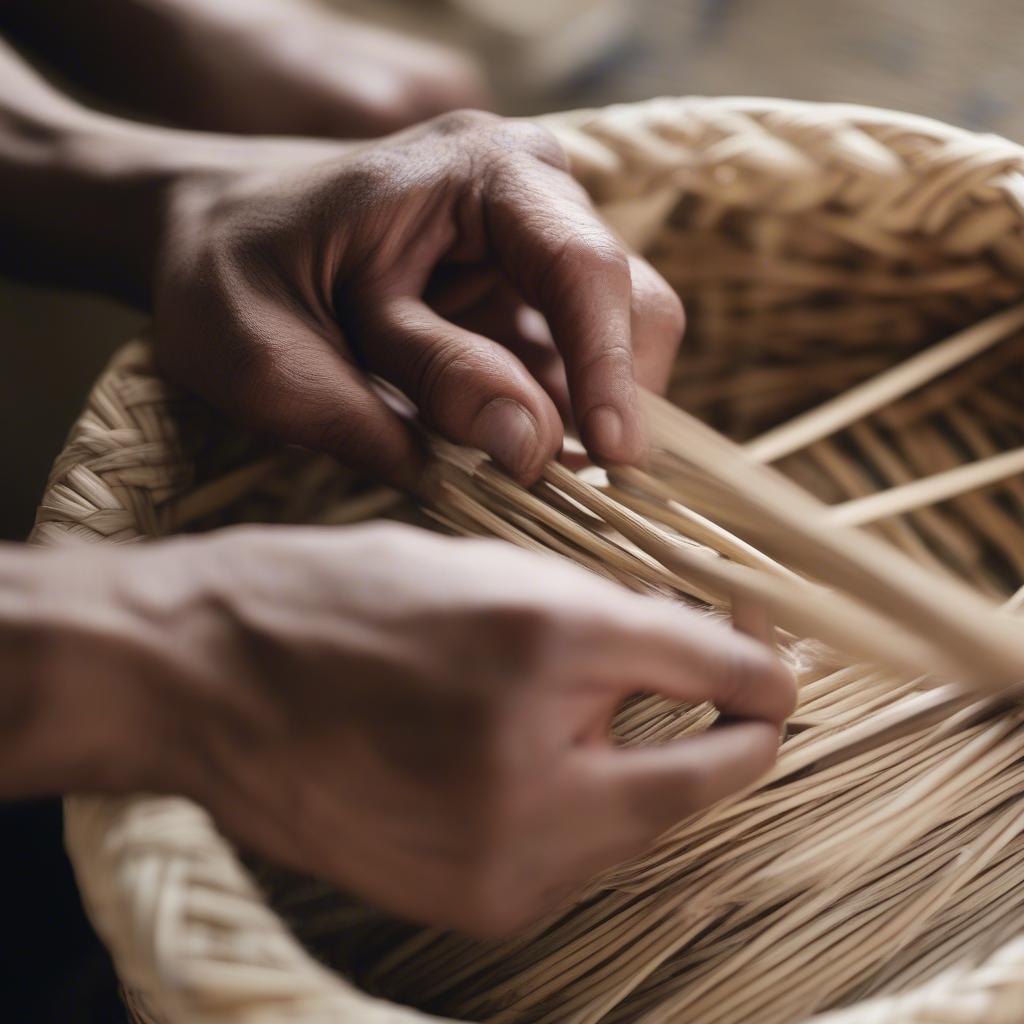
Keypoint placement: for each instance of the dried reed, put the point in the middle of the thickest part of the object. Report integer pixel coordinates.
(882, 860)
(888, 842)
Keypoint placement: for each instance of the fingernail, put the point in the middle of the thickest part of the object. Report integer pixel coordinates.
(604, 433)
(506, 431)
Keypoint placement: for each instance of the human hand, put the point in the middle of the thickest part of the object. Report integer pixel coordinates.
(458, 260)
(264, 67)
(443, 752)
(291, 67)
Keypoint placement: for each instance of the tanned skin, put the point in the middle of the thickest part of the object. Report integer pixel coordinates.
(422, 720)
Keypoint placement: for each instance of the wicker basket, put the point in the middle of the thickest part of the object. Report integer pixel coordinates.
(822, 251)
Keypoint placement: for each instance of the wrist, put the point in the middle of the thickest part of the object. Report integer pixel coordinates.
(86, 703)
(130, 189)
(84, 203)
(86, 199)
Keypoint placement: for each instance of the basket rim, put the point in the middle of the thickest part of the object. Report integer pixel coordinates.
(106, 837)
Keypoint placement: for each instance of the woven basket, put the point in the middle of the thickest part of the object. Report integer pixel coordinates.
(860, 264)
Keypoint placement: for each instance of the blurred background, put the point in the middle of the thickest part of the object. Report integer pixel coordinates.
(954, 60)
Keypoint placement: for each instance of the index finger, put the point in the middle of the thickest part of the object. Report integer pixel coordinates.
(656, 646)
(565, 262)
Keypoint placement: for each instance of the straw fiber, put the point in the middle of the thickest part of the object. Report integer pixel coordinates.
(851, 458)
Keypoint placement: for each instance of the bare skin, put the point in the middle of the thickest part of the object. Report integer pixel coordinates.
(261, 67)
(383, 259)
(442, 751)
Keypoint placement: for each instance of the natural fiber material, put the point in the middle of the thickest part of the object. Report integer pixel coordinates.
(842, 269)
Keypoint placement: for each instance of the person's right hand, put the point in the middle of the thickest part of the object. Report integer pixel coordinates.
(425, 721)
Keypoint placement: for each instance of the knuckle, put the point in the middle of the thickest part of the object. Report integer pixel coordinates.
(616, 359)
(656, 304)
(605, 259)
(584, 257)
(598, 255)
(665, 309)
(752, 673)
(782, 682)
(764, 748)
(734, 677)
(763, 669)
(438, 378)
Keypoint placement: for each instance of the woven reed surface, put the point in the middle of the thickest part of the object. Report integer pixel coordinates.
(816, 248)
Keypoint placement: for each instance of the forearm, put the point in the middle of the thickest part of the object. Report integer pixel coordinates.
(76, 206)
(59, 729)
(255, 67)
(84, 196)
(211, 65)
(137, 54)
(91, 670)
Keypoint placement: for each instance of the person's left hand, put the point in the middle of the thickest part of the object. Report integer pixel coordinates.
(258, 67)
(458, 261)
(293, 68)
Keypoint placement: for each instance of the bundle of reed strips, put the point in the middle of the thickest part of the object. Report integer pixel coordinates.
(872, 498)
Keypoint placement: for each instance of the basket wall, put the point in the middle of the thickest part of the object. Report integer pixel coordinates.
(814, 246)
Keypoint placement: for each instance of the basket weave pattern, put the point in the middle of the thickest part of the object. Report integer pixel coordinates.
(816, 247)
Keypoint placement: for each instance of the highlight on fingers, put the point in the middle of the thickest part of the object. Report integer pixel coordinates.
(565, 262)
(658, 323)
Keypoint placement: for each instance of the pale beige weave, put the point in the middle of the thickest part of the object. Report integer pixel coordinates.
(882, 870)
